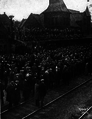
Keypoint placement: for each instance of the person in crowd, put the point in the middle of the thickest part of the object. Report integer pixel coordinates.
(42, 91)
(2, 93)
(16, 92)
(86, 68)
(90, 67)
(10, 93)
(26, 91)
(36, 93)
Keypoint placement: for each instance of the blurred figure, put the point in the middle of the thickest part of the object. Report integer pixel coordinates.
(42, 91)
(86, 68)
(17, 93)
(36, 93)
(26, 91)
(2, 93)
(10, 93)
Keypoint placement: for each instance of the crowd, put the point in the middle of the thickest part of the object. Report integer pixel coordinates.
(40, 34)
(22, 74)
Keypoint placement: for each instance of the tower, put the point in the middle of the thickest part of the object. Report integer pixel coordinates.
(53, 1)
(56, 15)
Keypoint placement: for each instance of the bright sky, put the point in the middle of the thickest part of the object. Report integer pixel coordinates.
(22, 8)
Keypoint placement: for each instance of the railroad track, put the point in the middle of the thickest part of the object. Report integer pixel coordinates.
(29, 109)
(87, 114)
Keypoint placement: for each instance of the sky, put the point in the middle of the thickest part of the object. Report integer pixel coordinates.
(22, 8)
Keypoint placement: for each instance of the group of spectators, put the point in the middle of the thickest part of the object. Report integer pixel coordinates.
(47, 33)
(20, 74)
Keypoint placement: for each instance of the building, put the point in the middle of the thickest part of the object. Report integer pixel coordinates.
(78, 19)
(86, 23)
(4, 26)
(33, 21)
(6, 33)
(56, 15)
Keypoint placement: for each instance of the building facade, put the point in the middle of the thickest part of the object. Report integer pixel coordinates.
(56, 15)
